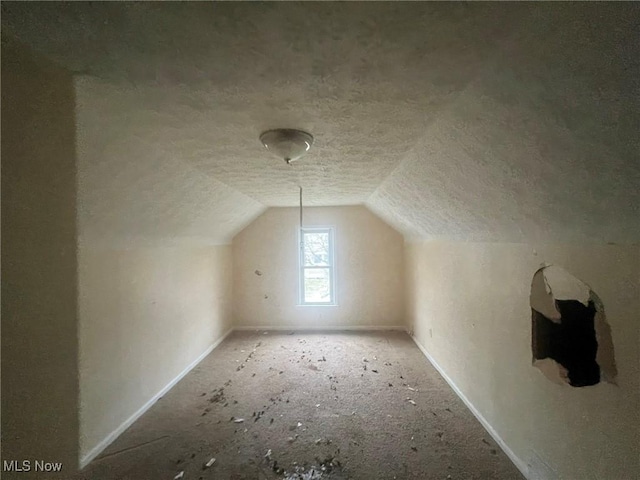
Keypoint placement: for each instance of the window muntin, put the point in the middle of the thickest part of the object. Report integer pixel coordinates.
(317, 279)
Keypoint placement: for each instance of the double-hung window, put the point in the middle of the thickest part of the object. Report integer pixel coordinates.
(317, 271)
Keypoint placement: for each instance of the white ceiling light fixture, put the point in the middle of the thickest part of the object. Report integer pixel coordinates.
(287, 143)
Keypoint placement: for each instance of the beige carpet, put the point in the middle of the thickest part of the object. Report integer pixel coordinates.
(361, 405)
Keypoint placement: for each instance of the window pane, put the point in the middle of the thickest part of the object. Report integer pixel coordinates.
(316, 249)
(317, 285)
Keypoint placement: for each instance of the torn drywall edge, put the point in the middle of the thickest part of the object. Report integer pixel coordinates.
(541, 299)
(552, 370)
(564, 286)
(550, 284)
(605, 356)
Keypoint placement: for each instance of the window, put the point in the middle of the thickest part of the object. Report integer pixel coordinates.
(317, 280)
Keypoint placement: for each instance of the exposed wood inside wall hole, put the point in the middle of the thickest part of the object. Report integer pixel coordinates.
(570, 338)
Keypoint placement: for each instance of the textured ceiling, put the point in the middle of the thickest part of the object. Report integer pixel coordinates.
(468, 121)
(542, 145)
(134, 188)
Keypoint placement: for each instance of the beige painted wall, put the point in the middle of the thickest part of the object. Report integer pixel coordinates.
(39, 278)
(146, 315)
(469, 307)
(369, 270)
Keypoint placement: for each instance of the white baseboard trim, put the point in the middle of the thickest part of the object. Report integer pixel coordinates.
(100, 447)
(360, 328)
(517, 461)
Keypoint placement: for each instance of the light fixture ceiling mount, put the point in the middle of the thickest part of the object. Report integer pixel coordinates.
(287, 143)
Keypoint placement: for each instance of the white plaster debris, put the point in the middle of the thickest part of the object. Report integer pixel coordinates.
(411, 401)
(300, 474)
(238, 420)
(179, 475)
(210, 463)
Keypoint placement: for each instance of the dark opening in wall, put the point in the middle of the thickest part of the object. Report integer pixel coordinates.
(571, 341)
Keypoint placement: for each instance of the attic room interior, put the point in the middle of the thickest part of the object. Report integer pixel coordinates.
(320, 240)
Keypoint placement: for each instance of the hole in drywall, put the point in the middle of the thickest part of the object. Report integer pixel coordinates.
(571, 343)
(571, 340)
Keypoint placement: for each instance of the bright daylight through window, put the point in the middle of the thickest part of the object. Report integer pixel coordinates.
(317, 283)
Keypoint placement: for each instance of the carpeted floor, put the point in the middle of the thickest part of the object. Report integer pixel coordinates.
(361, 405)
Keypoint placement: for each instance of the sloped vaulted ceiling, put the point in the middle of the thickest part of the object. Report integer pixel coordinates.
(449, 120)
(542, 145)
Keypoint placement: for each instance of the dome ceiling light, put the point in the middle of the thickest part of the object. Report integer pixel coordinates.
(286, 143)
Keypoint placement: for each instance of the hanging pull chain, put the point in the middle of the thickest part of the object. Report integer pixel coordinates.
(301, 234)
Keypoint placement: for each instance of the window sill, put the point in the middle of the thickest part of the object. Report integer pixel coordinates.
(317, 305)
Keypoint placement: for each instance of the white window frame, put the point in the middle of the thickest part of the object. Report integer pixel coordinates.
(332, 265)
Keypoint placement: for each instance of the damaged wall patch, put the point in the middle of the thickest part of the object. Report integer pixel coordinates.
(570, 338)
